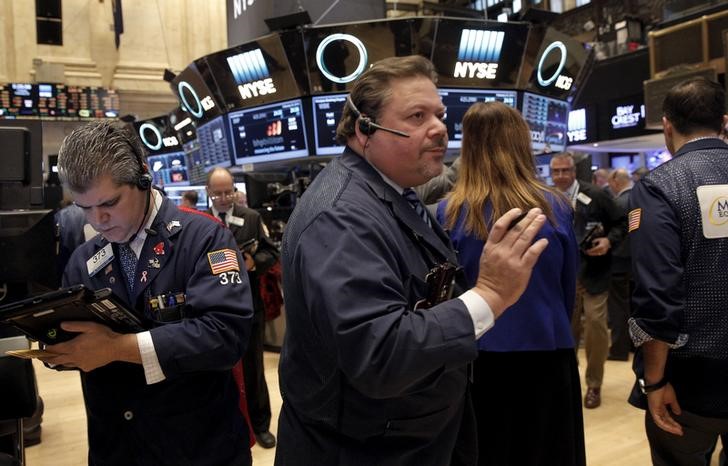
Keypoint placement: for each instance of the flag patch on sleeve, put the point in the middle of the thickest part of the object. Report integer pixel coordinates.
(223, 260)
(635, 216)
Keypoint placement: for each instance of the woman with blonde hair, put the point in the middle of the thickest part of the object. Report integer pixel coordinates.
(526, 388)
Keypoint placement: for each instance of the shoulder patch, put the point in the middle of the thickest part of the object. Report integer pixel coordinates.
(223, 260)
(713, 200)
(635, 217)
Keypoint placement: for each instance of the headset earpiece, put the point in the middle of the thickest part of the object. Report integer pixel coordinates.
(144, 182)
(365, 126)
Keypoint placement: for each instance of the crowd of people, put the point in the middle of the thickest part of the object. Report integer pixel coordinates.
(415, 334)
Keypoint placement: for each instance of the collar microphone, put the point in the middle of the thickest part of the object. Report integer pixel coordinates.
(151, 231)
(367, 126)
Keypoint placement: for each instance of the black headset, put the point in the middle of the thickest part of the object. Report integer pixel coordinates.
(367, 126)
(144, 182)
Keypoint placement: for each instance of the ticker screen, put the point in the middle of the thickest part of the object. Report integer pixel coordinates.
(327, 110)
(547, 119)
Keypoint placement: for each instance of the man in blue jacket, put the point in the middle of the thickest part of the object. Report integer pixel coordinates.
(164, 396)
(374, 363)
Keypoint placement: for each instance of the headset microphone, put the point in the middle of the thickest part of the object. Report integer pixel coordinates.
(151, 232)
(367, 126)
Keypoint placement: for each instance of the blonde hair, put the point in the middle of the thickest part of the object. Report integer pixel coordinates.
(497, 166)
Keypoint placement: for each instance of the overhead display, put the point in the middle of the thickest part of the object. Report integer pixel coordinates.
(337, 55)
(251, 74)
(547, 119)
(558, 65)
(157, 135)
(213, 140)
(57, 101)
(457, 102)
(626, 117)
(582, 126)
(182, 124)
(195, 96)
(479, 53)
(268, 133)
(327, 110)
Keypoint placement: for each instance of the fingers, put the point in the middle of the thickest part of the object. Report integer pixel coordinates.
(500, 227)
(664, 421)
(524, 231)
(80, 326)
(532, 253)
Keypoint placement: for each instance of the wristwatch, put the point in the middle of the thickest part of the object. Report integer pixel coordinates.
(645, 388)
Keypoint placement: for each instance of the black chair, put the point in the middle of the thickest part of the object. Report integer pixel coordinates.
(18, 398)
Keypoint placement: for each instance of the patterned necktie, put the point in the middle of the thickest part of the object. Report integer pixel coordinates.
(128, 264)
(415, 202)
(222, 216)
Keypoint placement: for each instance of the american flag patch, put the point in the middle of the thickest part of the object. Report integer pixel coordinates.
(223, 260)
(635, 215)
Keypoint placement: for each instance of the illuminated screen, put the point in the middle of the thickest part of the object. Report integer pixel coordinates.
(195, 96)
(626, 117)
(169, 169)
(157, 135)
(182, 125)
(327, 110)
(483, 54)
(457, 102)
(57, 101)
(254, 73)
(558, 65)
(337, 55)
(268, 133)
(214, 149)
(174, 193)
(196, 164)
(547, 119)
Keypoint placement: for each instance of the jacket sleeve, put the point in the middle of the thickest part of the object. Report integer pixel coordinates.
(217, 334)
(358, 285)
(659, 295)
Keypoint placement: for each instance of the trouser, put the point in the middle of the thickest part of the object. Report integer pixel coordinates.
(618, 312)
(596, 333)
(256, 389)
(694, 448)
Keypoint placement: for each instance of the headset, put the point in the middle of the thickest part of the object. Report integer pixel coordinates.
(144, 183)
(367, 126)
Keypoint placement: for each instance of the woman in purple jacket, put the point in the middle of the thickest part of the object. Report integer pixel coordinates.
(526, 383)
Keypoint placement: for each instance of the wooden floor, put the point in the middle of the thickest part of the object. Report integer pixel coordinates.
(614, 432)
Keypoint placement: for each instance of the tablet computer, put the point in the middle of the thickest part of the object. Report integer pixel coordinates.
(40, 317)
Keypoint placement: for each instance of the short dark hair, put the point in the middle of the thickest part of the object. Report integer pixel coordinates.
(372, 89)
(694, 105)
(191, 196)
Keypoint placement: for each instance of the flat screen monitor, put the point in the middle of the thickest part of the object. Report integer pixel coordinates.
(174, 193)
(547, 119)
(214, 145)
(157, 135)
(338, 54)
(169, 169)
(327, 110)
(457, 102)
(268, 133)
(479, 53)
(251, 74)
(182, 125)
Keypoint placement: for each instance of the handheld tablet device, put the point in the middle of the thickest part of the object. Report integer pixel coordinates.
(40, 317)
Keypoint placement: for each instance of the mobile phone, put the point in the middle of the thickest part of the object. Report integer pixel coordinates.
(517, 219)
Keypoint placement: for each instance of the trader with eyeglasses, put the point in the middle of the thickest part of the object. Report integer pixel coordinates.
(260, 254)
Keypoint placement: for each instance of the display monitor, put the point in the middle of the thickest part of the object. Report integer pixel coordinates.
(169, 169)
(157, 135)
(479, 53)
(183, 125)
(250, 74)
(457, 102)
(268, 133)
(327, 110)
(338, 54)
(174, 193)
(547, 119)
(214, 144)
(626, 117)
(195, 95)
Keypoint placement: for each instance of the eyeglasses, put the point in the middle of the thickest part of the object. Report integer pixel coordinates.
(222, 196)
(559, 171)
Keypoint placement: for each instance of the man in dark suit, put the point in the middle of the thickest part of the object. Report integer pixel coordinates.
(595, 215)
(374, 366)
(259, 254)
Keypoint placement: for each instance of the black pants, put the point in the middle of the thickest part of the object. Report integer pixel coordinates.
(694, 448)
(256, 389)
(618, 309)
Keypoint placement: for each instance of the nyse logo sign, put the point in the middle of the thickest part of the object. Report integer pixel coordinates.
(626, 116)
(557, 79)
(577, 125)
(478, 54)
(251, 74)
(239, 6)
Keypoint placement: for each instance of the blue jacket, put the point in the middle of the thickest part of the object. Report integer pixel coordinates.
(540, 319)
(365, 378)
(192, 417)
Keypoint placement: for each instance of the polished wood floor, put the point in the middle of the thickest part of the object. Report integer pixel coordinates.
(614, 432)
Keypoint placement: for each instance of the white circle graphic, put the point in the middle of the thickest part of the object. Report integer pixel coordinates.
(142, 134)
(198, 111)
(553, 45)
(359, 47)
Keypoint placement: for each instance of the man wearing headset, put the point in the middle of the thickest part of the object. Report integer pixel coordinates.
(374, 364)
(165, 395)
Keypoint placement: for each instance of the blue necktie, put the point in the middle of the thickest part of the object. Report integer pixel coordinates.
(415, 202)
(128, 264)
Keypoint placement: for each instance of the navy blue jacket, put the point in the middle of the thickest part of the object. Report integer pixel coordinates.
(192, 417)
(365, 378)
